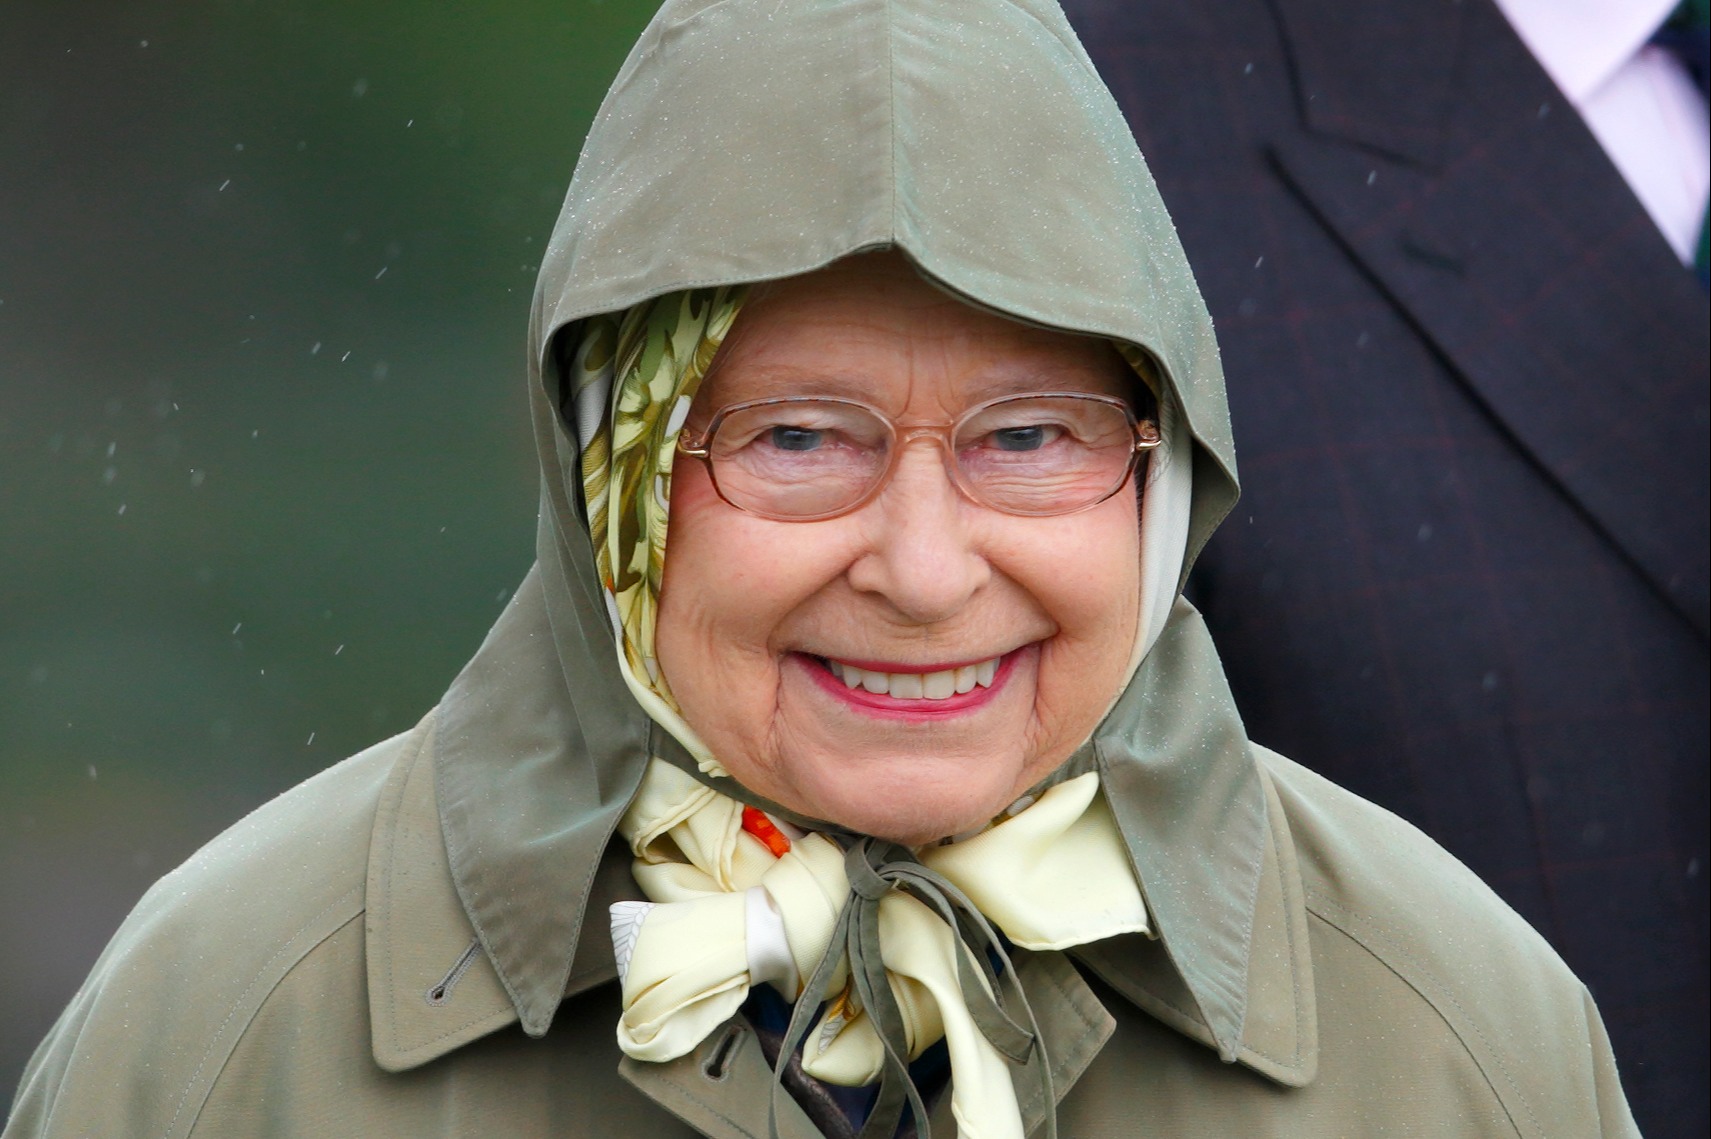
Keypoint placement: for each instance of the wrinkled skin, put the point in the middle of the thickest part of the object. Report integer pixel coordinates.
(917, 578)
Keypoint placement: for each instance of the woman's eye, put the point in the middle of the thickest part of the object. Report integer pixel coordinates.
(795, 438)
(1030, 438)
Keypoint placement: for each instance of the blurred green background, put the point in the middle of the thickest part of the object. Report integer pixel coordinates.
(265, 475)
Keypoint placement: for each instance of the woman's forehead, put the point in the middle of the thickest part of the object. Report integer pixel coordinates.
(869, 327)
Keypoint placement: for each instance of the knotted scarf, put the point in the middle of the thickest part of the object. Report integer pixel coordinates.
(729, 913)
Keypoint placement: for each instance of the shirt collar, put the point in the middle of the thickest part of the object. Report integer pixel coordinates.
(1581, 43)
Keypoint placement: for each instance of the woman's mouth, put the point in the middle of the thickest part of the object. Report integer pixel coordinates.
(912, 692)
(938, 685)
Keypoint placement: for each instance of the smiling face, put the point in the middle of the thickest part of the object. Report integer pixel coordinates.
(908, 669)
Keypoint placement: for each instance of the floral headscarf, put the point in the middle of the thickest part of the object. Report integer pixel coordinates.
(633, 378)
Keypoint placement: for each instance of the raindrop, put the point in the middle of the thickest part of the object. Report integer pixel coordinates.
(1424, 533)
(197, 478)
(345, 357)
(409, 124)
(1363, 340)
(1544, 110)
(1260, 261)
(256, 434)
(142, 43)
(112, 447)
(108, 475)
(338, 650)
(380, 274)
(122, 508)
(92, 771)
(239, 147)
(226, 183)
(236, 627)
(359, 88)
(310, 740)
(1248, 70)
(316, 349)
(1371, 177)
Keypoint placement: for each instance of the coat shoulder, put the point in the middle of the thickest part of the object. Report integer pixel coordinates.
(1361, 862)
(1383, 895)
(147, 1034)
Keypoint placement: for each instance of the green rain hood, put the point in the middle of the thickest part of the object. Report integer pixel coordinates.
(976, 138)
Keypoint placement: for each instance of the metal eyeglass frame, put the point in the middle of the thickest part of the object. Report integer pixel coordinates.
(899, 436)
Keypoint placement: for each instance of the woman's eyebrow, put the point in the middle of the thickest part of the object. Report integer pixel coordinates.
(763, 380)
(759, 381)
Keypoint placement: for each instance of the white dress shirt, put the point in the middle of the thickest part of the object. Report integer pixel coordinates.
(1639, 101)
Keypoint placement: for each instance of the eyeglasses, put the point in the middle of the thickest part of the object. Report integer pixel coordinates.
(807, 459)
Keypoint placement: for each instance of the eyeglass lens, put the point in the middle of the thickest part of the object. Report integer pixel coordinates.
(813, 458)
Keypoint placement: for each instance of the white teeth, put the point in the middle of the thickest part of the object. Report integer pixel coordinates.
(939, 685)
(907, 686)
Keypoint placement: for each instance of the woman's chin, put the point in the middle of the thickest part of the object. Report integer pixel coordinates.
(913, 808)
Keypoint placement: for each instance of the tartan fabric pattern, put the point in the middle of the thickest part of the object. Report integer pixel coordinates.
(1467, 578)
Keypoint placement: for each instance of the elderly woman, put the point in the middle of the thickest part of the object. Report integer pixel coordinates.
(879, 422)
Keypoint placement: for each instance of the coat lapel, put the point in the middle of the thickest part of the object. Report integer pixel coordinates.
(1454, 171)
(1280, 1033)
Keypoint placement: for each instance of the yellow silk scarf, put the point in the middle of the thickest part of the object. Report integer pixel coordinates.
(727, 914)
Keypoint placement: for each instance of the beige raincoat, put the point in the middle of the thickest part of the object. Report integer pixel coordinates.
(398, 947)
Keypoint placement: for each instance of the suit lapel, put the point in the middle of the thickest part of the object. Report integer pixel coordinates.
(1479, 202)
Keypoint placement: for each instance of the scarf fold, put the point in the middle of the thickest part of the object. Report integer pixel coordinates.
(895, 944)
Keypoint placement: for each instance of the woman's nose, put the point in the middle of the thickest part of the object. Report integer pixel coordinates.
(922, 552)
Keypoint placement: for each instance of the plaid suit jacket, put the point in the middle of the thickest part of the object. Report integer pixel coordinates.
(1468, 577)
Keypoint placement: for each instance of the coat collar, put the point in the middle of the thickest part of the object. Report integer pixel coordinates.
(433, 988)
(1438, 152)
